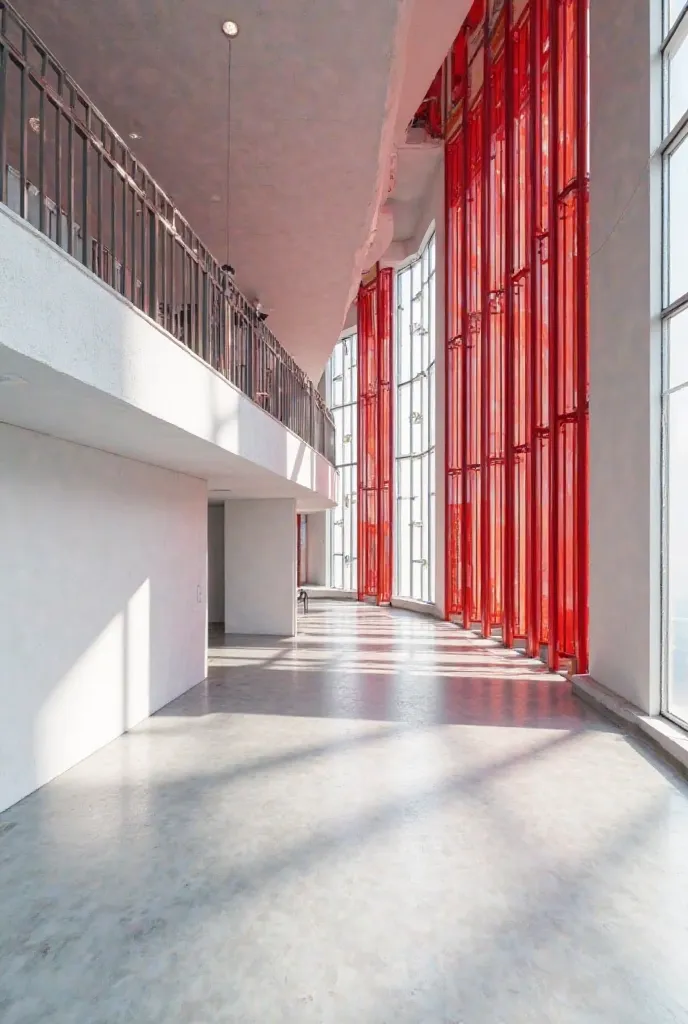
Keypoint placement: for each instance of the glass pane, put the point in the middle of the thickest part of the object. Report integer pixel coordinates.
(347, 371)
(338, 416)
(417, 415)
(342, 521)
(432, 408)
(404, 420)
(415, 412)
(678, 222)
(673, 9)
(677, 349)
(676, 610)
(403, 527)
(677, 79)
(404, 326)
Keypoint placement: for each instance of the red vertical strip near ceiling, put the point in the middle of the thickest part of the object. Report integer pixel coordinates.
(517, 329)
(472, 547)
(495, 334)
(553, 254)
(456, 321)
(520, 184)
(535, 549)
(483, 396)
(511, 191)
(385, 314)
(571, 300)
(375, 440)
(582, 510)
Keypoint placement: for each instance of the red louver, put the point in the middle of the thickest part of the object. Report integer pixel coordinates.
(517, 330)
(375, 439)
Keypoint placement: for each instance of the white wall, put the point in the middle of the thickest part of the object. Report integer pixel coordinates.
(216, 563)
(317, 549)
(260, 567)
(102, 603)
(624, 355)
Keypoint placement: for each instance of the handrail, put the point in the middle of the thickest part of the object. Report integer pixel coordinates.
(67, 171)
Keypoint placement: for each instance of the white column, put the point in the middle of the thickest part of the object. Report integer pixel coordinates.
(260, 566)
(624, 351)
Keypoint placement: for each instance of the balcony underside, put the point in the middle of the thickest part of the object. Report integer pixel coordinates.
(95, 371)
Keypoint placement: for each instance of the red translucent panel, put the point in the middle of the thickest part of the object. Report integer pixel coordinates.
(517, 332)
(375, 439)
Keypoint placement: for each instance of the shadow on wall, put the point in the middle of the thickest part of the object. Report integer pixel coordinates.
(101, 617)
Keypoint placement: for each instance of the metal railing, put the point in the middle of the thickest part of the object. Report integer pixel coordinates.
(66, 171)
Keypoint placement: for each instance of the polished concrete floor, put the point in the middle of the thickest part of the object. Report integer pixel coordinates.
(386, 820)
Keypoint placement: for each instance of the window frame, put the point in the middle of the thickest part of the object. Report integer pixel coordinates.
(347, 343)
(674, 36)
(411, 548)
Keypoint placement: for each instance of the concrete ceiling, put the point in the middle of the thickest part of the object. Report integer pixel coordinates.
(321, 94)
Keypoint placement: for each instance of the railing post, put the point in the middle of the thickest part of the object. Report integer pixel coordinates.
(250, 347)
(3, 94)
(205, 323)
(152, 265)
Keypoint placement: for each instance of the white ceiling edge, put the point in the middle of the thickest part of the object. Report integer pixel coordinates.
(425, 34)
(59, 406)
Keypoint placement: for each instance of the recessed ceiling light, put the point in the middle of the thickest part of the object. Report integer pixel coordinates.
(214, 199)
(230, 29)
(11, 378)
(35, 124)
(134, 135)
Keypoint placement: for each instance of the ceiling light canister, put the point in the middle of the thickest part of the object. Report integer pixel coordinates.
(230, 29)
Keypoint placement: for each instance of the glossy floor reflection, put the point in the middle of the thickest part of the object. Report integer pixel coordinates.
(386, 820)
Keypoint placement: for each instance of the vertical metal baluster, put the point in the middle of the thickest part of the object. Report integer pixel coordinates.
(22, 130)
(113, 228)
(132, 289)
(70, 174)
(144, 224)
(85, 233)
(182, 304)
(163, 268)
(41, 145)
(125, 189)
(99, 206)
(194, 308)
(58, 163)
(153, 263)
(174, 252)
(188, 309)
(205, 313)
(3, 103)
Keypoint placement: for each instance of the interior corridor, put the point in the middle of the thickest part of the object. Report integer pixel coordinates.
(384, 820)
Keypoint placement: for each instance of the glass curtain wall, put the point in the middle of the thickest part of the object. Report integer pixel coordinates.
(342, 398)
(675, 360)
(415, 428)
